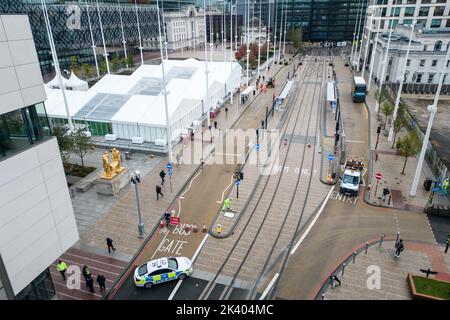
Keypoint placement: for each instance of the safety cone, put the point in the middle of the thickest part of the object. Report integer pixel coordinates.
(204, 228)
(309, 145)
(161, 224)
(187, 228)
(195, 228)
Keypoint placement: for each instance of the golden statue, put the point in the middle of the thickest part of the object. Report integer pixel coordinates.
(110, 170)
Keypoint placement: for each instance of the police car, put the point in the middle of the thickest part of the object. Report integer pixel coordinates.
(162, 270)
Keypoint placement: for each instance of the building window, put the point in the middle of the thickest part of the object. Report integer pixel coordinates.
(422, 63)
(430, 78)
(438, 11)
(396, 12)
(408, 62)
(21, 128)
(409, 11)
(411, 1)
(436, 23)
(423, 12)
(438, 45)
(426, 1)
(419, 77)
(422, 22)
(434, 63)
(407, 21)
(448, 62)
(425, 47)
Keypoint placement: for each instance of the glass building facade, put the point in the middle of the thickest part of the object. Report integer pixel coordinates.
(21, 128)
(321, 20)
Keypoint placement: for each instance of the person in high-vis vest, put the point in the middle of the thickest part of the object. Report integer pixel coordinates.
(227, 204)
(62, 267)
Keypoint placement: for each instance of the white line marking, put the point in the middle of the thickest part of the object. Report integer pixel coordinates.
(355, 141)
(275, 277)
(312, 222)
(223, 193)
(182, 195)
(194, 257)
(228, 154)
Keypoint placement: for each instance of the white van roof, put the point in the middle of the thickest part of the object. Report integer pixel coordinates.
(359, 80)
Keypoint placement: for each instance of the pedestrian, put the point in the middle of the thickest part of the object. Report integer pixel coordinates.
(192, 135)
(167, 218)
(215, 125)
(86, 274)
(264, 78)
(386, 192)
(227, 204)
(254, 92)
(399, 247)
(178, 159)
(226, 111)
(162, 174)
(158, 192)
(101, 282)
(62, 267)
(90, 283)
(109, 243)
(268, 68)
(333, 279)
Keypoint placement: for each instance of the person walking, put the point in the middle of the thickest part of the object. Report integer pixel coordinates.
(399, 247)
(227, 204)
(101, 282)
(178, 159)
(62, 267)
(215, 125)
(86, 274)
(109, 243)
(90, 283)
(167, 218)
(386, 192)
(162, 175)
(158, 192)
(226, 112)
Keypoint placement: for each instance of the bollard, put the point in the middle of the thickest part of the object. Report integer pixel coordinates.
(331, 282)
(446, 247)
(389, 201)
(381, 240)
(354, 256)
(323, 296)
(398, 236)
(343, 269)
(367, 247)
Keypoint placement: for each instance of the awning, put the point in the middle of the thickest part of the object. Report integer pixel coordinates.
(248, 90)
(286, 90)
(330, 92)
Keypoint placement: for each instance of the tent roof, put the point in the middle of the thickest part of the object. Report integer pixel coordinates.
(55, 83)
(74, 81)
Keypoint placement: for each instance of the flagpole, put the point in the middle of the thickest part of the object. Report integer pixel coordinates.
(105, 53)
(92, 40)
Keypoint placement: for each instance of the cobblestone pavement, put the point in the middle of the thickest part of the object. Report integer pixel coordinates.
(393, 271)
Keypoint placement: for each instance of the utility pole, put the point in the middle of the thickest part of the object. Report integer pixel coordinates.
(123, 34)
(139, 33)
(399, 92)
(92, 40)
(259, 39)
(206, 72)
(354, 31)
(432, 109)
(105, 53)
(372, 58)
(136, 179)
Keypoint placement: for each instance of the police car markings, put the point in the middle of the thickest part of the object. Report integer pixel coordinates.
(223, 193)
(336, 195)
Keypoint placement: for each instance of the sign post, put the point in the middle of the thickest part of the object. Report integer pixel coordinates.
(169, 168)
(330, 159)
(378, 176)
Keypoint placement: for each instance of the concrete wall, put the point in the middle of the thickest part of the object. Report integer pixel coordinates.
(20, 76)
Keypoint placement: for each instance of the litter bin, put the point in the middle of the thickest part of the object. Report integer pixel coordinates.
(127, 155)
(427, 184)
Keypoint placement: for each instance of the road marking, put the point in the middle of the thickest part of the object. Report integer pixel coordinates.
(355, 141)
(182, 195)
(223, 193)
(194, 257)
(312, 222)
(275, 277)
(228, 154)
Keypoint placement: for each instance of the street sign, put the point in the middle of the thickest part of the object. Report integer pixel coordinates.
(330, 157)
(170, 173)
(174, 221)
(238, 182)
(257, 146)
(378, 176)
(169, 165)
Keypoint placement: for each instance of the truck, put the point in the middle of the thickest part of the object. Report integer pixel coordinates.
(352, 176)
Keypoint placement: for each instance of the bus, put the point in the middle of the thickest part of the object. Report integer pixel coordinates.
(359, 89)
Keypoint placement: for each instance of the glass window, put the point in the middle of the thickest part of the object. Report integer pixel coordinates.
(408, 62)
(422, 63)
(447, 24)
(422, 22)
(438, 11)
(396, 12)
(419, 78)
(23, 127)
(430, 78)
(423, 11)
(438, 46)
(436, 23)
(407, 21)
(426, 1)
(409, 11)
(434, 63)
(411, 1)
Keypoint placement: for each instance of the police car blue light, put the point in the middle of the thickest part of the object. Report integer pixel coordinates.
(162, 270)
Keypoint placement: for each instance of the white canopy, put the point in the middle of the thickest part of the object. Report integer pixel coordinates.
(75, 83)
(54, 83)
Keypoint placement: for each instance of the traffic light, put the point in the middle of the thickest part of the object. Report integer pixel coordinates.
(241, 176)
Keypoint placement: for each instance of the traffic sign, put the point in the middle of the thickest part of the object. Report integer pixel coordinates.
(174, 221)
(170, 173)
(330, 157)
(257, 146)
(169, 165)
(238, 182)
(378, 176)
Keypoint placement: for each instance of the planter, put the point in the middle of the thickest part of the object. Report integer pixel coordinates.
(423, 296)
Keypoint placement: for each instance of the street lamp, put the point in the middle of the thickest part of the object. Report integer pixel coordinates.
(136, 179)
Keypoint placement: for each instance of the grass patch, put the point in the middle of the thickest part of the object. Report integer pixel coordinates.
(77, 170)
(432, 287)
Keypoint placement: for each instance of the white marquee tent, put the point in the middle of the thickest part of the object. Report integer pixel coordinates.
(134, 105)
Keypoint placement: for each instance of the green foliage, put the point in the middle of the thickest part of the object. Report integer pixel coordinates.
(408, 146)
(81, 144)
(400, 121)
(295, 35)
(74, 64)
(102, 66)
(387, 110)
(116, 63)
(65, 142)
(432, 287)
(130, 61)
(86, 70)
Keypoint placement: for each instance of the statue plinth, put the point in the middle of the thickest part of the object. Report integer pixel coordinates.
(112, 186)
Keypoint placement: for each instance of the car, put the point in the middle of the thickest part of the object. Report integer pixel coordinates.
(271, 83)
(162, 270)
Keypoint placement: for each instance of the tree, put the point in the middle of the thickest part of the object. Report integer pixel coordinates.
(65, 142)
(387, 110)
(381, 95)
(400, 121)
(115, 63)
(74, 64)
(86, 70)
(81, 143)
(408, 146)
(295, 35)
(130, 61)
(102, 67)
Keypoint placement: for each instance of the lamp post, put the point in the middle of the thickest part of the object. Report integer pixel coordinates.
(399, 92)
(139, 32)
(123, 34)
(281, 31)
(206, 72)
(268, 38)
(372, 58)
(136, 179)
(354, 31)
(105, 53)
(357, 45)
(248, 40)
(92, 39)
(366, 51)
(285, 29)
(362, 39)
(275, 33)
(231, 47)
(384, 66)
(259, 38)
(56, 63)
(168, 131)
(432, 109)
